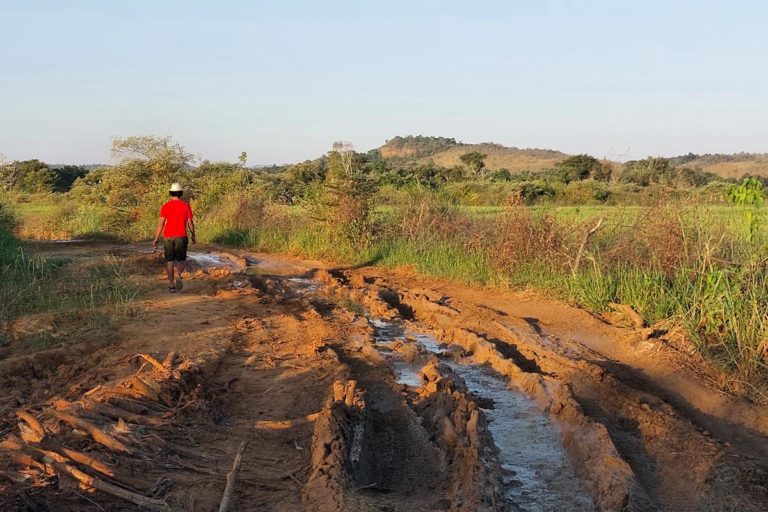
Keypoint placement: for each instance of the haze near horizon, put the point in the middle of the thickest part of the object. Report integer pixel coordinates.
(282, 80)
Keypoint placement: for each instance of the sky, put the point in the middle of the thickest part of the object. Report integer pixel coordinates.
(282, 80)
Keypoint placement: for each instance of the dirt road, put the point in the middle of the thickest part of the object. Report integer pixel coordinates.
(359, 389)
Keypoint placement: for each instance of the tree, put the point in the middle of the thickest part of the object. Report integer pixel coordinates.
(154, 158)
(346, 197)
(28, 176)
(475, 161)
(581, 167)
(65, 176)
(650, 170)
(243, 158)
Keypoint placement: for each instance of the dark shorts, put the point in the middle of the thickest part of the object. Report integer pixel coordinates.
(176, 248)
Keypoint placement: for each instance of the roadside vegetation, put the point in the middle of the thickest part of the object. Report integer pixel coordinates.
(33, 285)
(684, 247)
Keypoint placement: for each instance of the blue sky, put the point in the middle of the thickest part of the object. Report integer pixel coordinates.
(283, 79)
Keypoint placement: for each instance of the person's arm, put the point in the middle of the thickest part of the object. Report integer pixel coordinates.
(158, 231)
(191, 228)
(191, 225)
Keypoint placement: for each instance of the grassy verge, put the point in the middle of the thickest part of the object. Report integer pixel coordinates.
(699, 268)
(91, 295)
(693, 269)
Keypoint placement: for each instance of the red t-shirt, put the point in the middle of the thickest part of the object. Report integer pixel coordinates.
(176, 213)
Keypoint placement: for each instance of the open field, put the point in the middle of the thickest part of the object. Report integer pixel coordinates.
(689, 268)
(363, 389)
(387, 337)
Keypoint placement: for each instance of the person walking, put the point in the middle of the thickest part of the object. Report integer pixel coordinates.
(174, 224)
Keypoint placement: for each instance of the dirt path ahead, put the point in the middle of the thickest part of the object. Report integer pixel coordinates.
(362, 390)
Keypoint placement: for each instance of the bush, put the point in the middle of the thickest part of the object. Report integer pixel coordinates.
(585, 192)
(529, 193)
(427, 218)
(522, 237)
(581, 167)
(234, 217)
(8, 221)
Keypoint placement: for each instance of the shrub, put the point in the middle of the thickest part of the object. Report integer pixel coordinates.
(521, 236)
(427, 218)
(529, 193)
(581, 167)
(657, 240)
(8, 221)
(586, 192)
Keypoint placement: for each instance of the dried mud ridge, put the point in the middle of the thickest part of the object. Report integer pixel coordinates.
(288, 365)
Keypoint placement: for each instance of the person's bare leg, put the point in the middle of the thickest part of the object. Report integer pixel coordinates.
(180, 267)
(169, 272)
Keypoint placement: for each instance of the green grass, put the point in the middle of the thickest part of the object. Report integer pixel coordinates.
(718, 292)
(720, 303)
(445, 260)
(35, 209)
(96, 293)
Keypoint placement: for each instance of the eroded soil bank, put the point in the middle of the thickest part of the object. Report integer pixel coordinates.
(361, 390)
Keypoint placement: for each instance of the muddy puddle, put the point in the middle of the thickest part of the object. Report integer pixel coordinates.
(538, 476)
(537, 472)
(212, 260)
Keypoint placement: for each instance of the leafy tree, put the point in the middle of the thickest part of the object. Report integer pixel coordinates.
(581, 167)
(243, 158)
(528, 193)
(347, 192)
(298, 180)
(28, 176)
(651, 170)
(150, 157)
(685, 176)
(475, 161)
(65, 176)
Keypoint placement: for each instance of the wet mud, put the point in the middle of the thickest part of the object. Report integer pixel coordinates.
(351, 391)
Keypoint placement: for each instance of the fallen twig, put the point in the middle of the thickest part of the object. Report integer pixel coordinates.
(95, 432)
(144, 389)
(136, 396)
(117, 413)
(153, 504)
(52, 465)
(154, 362)
(231, 479)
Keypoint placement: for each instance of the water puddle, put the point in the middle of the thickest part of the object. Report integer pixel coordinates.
(273, 264)
(212, 260)
(64, 241)
(538, 475)
(303, 284)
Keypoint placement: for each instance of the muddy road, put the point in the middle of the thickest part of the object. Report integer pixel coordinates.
(360, 389)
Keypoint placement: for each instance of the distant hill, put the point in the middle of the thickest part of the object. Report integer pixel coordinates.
(413, 147)
(502, 157)
(728, 166)
(447, 152)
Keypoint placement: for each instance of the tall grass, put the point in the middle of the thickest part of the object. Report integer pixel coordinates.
(96, 292)
(689, 269)
(688, 265)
